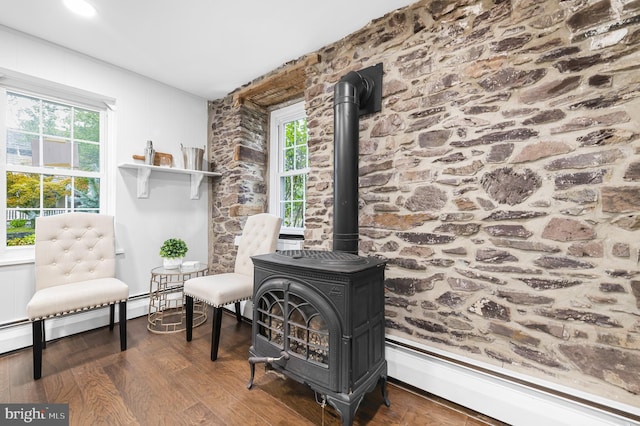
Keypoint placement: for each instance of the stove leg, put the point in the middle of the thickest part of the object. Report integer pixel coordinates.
(346, 410)
(252, 365)
(383, 388)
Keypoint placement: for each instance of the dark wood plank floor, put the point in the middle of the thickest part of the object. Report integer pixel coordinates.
(163, 380)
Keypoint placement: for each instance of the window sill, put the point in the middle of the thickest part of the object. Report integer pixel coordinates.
(27, 256)
(17, 255)
(16, 261)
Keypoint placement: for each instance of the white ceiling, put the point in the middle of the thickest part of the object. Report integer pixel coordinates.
(204, 47)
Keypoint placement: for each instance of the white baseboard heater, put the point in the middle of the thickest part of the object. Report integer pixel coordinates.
(290, 244)
(284, 243)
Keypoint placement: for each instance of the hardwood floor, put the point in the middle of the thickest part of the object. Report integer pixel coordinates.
(163, 380)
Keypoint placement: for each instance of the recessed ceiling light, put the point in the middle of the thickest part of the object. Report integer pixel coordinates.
(80, 7)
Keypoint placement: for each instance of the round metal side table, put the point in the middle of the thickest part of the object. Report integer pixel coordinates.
(166, 299)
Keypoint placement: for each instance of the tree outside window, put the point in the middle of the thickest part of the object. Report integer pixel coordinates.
(293, 180)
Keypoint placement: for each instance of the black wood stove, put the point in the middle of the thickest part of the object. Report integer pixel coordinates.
(318, 318)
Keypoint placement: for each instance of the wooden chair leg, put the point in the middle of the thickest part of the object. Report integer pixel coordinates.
(188, 301)
(215, 332)
(238, 314)
(112, 315)
(37, 327)
(44, 337)
(122, 312)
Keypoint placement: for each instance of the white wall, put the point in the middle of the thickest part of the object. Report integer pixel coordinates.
(145, 109)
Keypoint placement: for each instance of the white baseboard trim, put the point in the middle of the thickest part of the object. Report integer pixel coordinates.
(18, 336)
(496, 397)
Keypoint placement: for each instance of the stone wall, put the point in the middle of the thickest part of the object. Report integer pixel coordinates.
(500, 181)
(238, 150)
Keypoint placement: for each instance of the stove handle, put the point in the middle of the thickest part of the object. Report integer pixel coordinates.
(253, 360)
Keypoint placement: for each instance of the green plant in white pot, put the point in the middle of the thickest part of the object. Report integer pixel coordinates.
(172, 253)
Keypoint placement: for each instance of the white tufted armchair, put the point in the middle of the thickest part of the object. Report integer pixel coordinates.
(259, 236)
(75, 269)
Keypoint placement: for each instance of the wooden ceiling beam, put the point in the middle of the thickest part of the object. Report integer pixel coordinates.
(279, 87)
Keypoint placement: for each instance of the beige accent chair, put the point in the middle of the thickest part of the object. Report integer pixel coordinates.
(75, 271)
(259, 236)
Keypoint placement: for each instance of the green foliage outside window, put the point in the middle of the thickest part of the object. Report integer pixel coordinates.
(23, 190)
(293, 184)
(27, 240)
(87, 193)
(86, 125)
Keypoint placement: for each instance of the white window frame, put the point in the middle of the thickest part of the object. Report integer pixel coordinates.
(278, 118)
(11, 81)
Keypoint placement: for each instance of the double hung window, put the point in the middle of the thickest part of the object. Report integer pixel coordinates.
(289, 166)
(54, 151)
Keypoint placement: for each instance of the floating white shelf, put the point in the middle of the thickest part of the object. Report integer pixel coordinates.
(144, 172)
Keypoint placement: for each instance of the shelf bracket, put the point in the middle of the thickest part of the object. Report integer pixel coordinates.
(196, 179)
(143, 182)
(144, 173)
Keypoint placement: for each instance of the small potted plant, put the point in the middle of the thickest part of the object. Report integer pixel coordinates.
(172, 252)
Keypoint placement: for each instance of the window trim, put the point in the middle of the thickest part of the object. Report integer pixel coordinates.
(44, 89)
(277, 118)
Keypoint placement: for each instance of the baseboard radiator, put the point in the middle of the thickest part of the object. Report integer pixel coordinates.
(290, 244)
(513, 400)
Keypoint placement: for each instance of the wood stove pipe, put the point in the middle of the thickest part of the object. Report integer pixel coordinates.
(356, 94)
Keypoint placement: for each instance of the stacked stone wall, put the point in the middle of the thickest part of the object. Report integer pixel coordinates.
(500, 181)
(238, 150)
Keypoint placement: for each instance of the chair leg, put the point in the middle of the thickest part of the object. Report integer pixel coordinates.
(215, 332)
(188, 301)
(44, 337)
(238, 314)
(112, 315)
(37, 327)
(122, 312)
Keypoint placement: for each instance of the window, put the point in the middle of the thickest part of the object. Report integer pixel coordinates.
(289, 166)
(54, 151)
